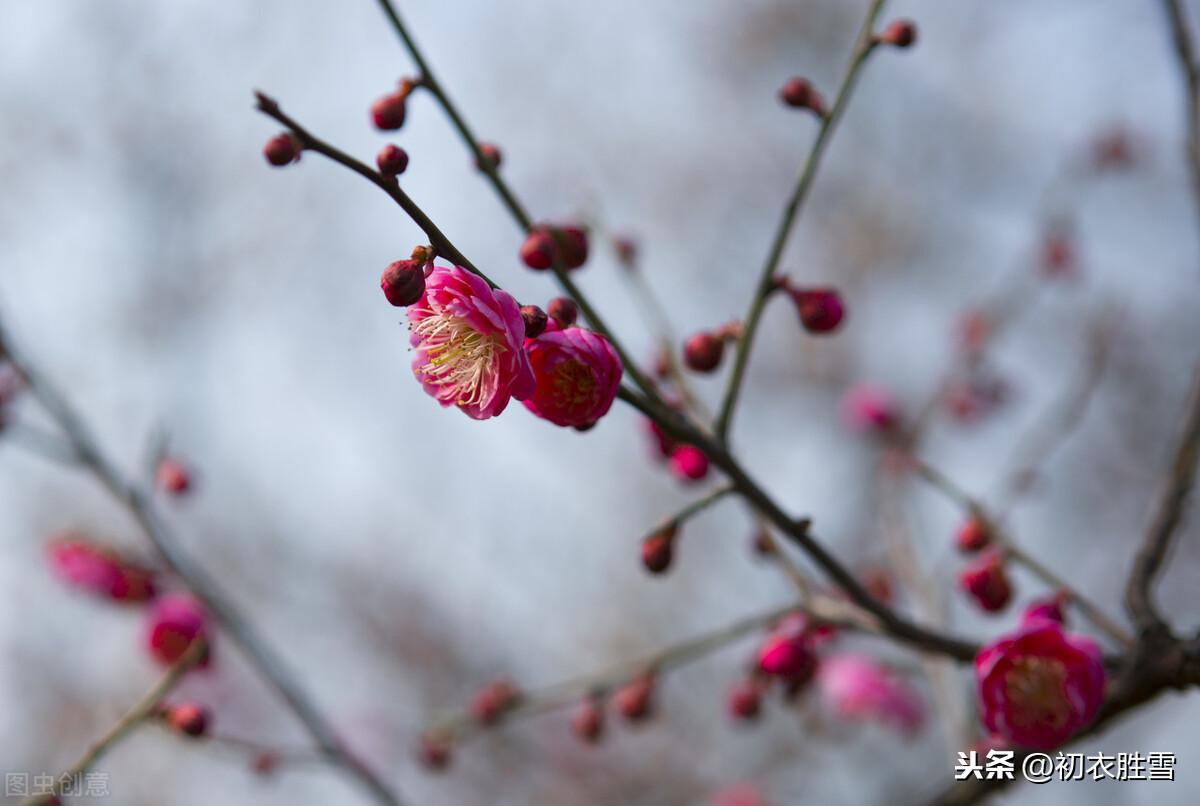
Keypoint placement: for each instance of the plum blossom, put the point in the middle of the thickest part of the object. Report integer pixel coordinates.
(856, 687)
(469, 343)
(577, 373)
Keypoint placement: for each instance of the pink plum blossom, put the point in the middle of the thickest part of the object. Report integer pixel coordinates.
(577, 373)
(856, 687)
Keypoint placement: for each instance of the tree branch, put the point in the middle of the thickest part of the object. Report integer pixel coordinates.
(1185, 51)
(863, 47)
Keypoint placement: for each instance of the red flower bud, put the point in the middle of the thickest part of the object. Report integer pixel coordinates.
(176, 621)
(403, 282)
(282, 149)
(761, 542)
(1058, 257)
(392, 160)
(539, 249)
(563, 310)
(588, 720)
(1050, 608)
(899, 34)
(972, 536)
(788, 651)
(189, 718)
(799, 93)
(635, 700)
(821, 309)
(435, 752)
(491, 157)
(702, 352)
(173, 477)
(659, 549)
(574, 244)
(535, 321)
(388, 112)
(492, 701)
(745, 699)
(689, 463)
(986, 581)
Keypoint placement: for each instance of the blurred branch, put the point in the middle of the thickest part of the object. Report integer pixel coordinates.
(145, 709)
(863, 47)
(35, 440)
(1036, 447)
(141, 506)
(519, 214)
(1168, 516)
(437, 239)
(1185, 51)
(976, 509)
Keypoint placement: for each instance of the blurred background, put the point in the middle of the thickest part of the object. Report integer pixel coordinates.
(399, 555)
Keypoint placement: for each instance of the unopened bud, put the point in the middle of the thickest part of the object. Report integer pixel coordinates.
(821, 309)
(635, 700)
(799, 93)
(745, 699)
(435, 752)
(492, 701)
(986, 581)
(588, 720)
(702, 352)
(190, 719)
(563, 310)
(899, 34)
(973, 536)
(659, 549)
(403, 282)
(282, 149)
(491, 157)
(392, 160)
(538, 250)
(535, 320)
(173, 477)
(389, 111)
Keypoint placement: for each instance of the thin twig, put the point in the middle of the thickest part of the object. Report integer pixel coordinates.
(1168, 516)
(1189, 65)
(145, 709)
(863, 47)
(141, 506)
(437, 239)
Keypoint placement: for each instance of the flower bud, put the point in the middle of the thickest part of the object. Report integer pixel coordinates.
(535, 321)
(869, 408)
(1048, 608)
(176, 621)
(702, 352)
(821, 309)
(574, 244)
(799, 93)
(173, 477)
(491, 157)
(189, 718)
(986, 581)
(563, 310)
(659, 549)
(745, 699)
(539, 249)
(973, 536)
(788, 651)
(688, 463)
(761, 542)
(635, 700)
(435, 751)
(403, 282)
(626, 249)
(1058, 258)
(392, 160)
(588, 720)
(388, 112)
(899, 34)
(282, 149)
(492, 701)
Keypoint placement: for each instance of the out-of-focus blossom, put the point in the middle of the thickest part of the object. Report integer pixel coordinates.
(739, 795)
(856, 687)
(176, 620)
(469, 342)
(986, 581)
(868, 407)
(688, 463)
(1050, 608)
(577, 374)
(1039, 686)
(99, 571)
(788, 651)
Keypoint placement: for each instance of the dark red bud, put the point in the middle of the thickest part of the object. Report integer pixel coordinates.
(492, 701)
(820, 309)
(702, 352)
(491, 157)
(190, 719)
(403, 282)
(539, 249)
(635, 700)
(972, 536)
(563, 310)
(392, 160)
(588, 720)
(986, 581)
(745, 699)
(388, 112)
(535, 321)
(173, 477)
(435, 752)
(282, 149)
(799, 93)
(899, 33)
(574, 244)
(626, 249)
(659, 548)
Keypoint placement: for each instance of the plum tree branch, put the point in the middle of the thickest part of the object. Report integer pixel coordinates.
(863, 47)
(141, 506)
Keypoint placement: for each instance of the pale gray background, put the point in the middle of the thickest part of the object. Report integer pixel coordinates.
(399, 554)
